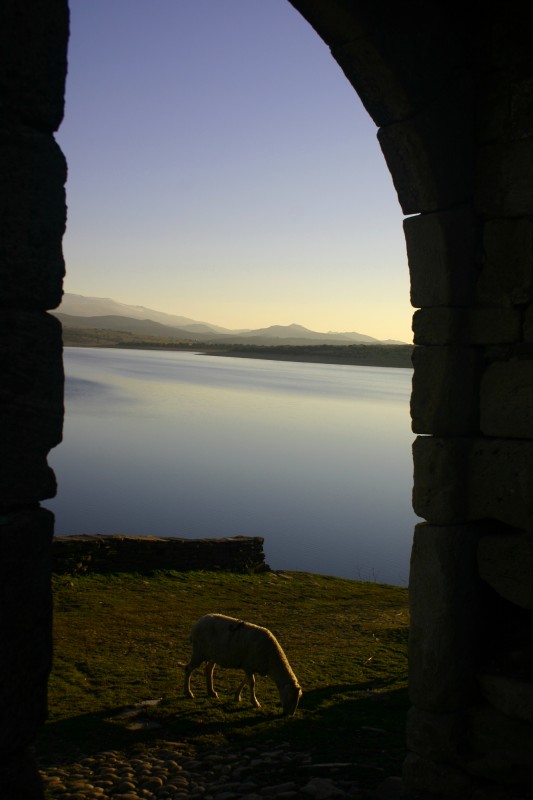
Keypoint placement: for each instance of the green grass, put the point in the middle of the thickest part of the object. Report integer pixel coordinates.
(123, 639)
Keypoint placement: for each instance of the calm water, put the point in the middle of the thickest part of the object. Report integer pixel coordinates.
(314, 457)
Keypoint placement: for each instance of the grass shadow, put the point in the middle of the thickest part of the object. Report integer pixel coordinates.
(65, 740)
(332, 721)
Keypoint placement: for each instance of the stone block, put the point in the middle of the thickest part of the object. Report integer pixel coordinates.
(31, 404)
(365, 68)
(19, 776)
(426, 779)
(442, 252)
(441, 467)
(501, 481)
(373, 57)
(33, 215)
(33, 61)
(25, 476)
(506, 399)
(508, 695)
(506, 276)
(466, 326)
(431, 163)
(31, 352)
(492, 117)
(445, 396)
(504, 180)
(528, 324)
(459, 480)
(445, 597)
(506, 563)
(25, 625)
(504, 108)
(439, 737)
(501, 747)
(521, 116)
(338, 23)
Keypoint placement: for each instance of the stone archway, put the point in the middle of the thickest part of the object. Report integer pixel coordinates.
(452, 96)
(453, 100)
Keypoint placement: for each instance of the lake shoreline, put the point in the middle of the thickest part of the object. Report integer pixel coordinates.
(348, 360)
(386, 356)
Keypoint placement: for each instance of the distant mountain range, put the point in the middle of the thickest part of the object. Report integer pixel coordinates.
(78, 311)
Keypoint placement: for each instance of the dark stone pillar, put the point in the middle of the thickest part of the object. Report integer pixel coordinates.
(33, 42)
(25, 634)
(453, 100)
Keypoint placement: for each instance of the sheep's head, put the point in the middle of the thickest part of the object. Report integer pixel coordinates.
(290, 697)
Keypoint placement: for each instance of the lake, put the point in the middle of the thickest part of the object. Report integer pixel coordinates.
(316, 458)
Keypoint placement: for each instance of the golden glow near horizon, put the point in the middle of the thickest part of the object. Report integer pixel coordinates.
(235, 317)
(210, 180)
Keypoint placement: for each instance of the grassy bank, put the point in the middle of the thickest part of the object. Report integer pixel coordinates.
(122, 639)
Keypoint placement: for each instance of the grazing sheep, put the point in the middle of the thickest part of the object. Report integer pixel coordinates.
(229, 642)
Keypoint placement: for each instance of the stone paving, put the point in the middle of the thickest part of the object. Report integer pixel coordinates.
(174, 770)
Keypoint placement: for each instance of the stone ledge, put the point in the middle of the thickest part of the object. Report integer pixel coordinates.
(466, 326)
(143, 554)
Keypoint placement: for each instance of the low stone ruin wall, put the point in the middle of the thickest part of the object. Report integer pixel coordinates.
(82, 554)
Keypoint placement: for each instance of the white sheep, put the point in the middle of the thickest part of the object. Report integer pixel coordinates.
(233, 643)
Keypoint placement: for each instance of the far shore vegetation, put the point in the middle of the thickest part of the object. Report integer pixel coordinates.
(370, 355)
(122, 639)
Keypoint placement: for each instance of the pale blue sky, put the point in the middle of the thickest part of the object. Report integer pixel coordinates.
(221, 167)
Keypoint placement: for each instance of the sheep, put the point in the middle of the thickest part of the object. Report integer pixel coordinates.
(233, 643)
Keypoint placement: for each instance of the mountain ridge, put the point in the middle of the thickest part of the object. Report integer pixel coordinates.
(80, 311)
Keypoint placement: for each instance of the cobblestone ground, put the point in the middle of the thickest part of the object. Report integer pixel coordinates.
(174, 770)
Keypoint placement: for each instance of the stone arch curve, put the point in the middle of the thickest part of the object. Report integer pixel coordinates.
(452, 95)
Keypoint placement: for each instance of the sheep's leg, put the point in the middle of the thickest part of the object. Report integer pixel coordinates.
(239, 690)
(193, 664)
(187, 684)
(250, 680)
(209, 669)
(251, 684)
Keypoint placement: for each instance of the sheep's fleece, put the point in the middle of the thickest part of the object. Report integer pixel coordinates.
(233, 643)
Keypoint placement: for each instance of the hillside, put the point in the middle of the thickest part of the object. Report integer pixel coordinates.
(142, 327)
(355, 354)
(77, 311)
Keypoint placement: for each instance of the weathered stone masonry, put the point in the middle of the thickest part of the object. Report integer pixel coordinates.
(452, 95)
(33, 41)
(451, 91)
(146, 554)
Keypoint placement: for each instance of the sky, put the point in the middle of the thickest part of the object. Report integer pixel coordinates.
(222, 168)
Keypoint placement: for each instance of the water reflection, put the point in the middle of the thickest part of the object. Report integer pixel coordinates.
(314, 457)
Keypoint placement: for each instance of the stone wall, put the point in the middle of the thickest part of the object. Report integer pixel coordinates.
(145, 554)
(33, 51)
(453, 98)
(471, 641)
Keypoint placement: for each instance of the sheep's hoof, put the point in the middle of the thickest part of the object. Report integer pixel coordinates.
(213, 694)
(189, 695)
(256, 704)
